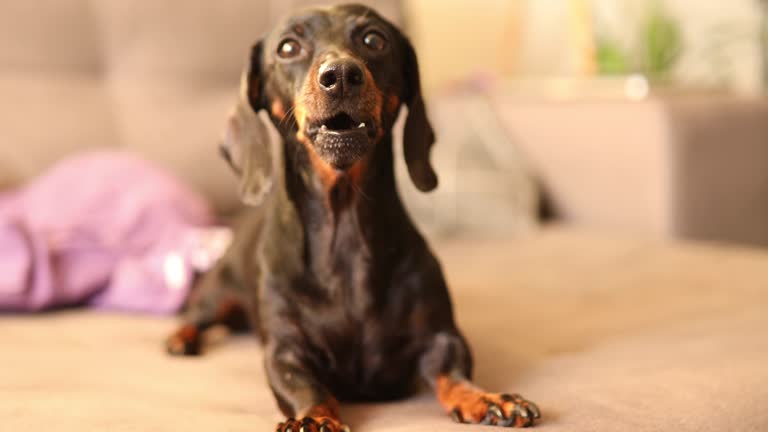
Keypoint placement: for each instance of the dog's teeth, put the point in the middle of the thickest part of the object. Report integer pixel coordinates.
(323, 128)
(361, 125)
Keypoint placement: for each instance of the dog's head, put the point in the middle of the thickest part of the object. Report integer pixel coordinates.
(335, 79)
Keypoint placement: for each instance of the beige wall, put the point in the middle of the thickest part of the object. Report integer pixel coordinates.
(455, 38)
(460, 38)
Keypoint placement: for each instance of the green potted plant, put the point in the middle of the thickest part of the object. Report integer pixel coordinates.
(659, 46)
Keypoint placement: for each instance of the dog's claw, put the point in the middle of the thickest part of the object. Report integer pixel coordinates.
(496, 410)
(519, 417)
(456, 416)
(534, 410)
(310, 424)
(491, 419)
(522, 412)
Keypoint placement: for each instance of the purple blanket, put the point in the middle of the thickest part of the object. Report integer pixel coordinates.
(104, 229)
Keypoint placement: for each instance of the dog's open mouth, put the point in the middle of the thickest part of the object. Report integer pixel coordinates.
(342, 138)
(340, 124)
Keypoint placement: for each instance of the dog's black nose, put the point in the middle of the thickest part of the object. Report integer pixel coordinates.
(342, 77)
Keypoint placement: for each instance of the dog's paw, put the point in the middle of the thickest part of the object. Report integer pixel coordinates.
(184, 342)
(312, 424)
(508, 410)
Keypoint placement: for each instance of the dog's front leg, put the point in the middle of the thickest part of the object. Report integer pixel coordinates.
(447, 367)
(309, 406)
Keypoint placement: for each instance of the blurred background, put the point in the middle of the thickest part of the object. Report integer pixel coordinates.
(641, 116)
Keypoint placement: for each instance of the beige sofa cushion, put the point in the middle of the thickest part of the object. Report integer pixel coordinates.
(53, 102)
(606, 334)
(155, 77)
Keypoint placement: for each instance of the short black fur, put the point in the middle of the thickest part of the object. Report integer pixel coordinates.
(341, 288)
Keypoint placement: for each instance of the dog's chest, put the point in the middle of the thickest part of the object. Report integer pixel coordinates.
(372, 358)
(352, 315)
(362, 337)
(340, 259)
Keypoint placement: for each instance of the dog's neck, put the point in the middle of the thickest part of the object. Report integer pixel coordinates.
(361, 208)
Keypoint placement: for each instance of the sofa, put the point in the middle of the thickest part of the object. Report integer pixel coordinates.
(686, 165)
(605, 331)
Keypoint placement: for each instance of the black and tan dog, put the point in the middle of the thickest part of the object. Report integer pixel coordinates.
(327, 268)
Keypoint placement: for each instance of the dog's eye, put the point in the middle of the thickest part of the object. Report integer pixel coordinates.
(375, 40)
(289, 48)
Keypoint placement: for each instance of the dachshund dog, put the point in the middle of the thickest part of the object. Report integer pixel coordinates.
(326, 267)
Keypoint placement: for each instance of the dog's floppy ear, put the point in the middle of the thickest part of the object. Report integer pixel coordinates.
(246, 145)
(418, 135)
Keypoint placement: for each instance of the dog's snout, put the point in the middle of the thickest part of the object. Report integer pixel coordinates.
(341, 77)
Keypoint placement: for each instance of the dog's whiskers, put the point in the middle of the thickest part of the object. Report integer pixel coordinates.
(359, 190)
(288, 117)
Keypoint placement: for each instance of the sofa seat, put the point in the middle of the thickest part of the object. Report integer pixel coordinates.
(605, 333)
